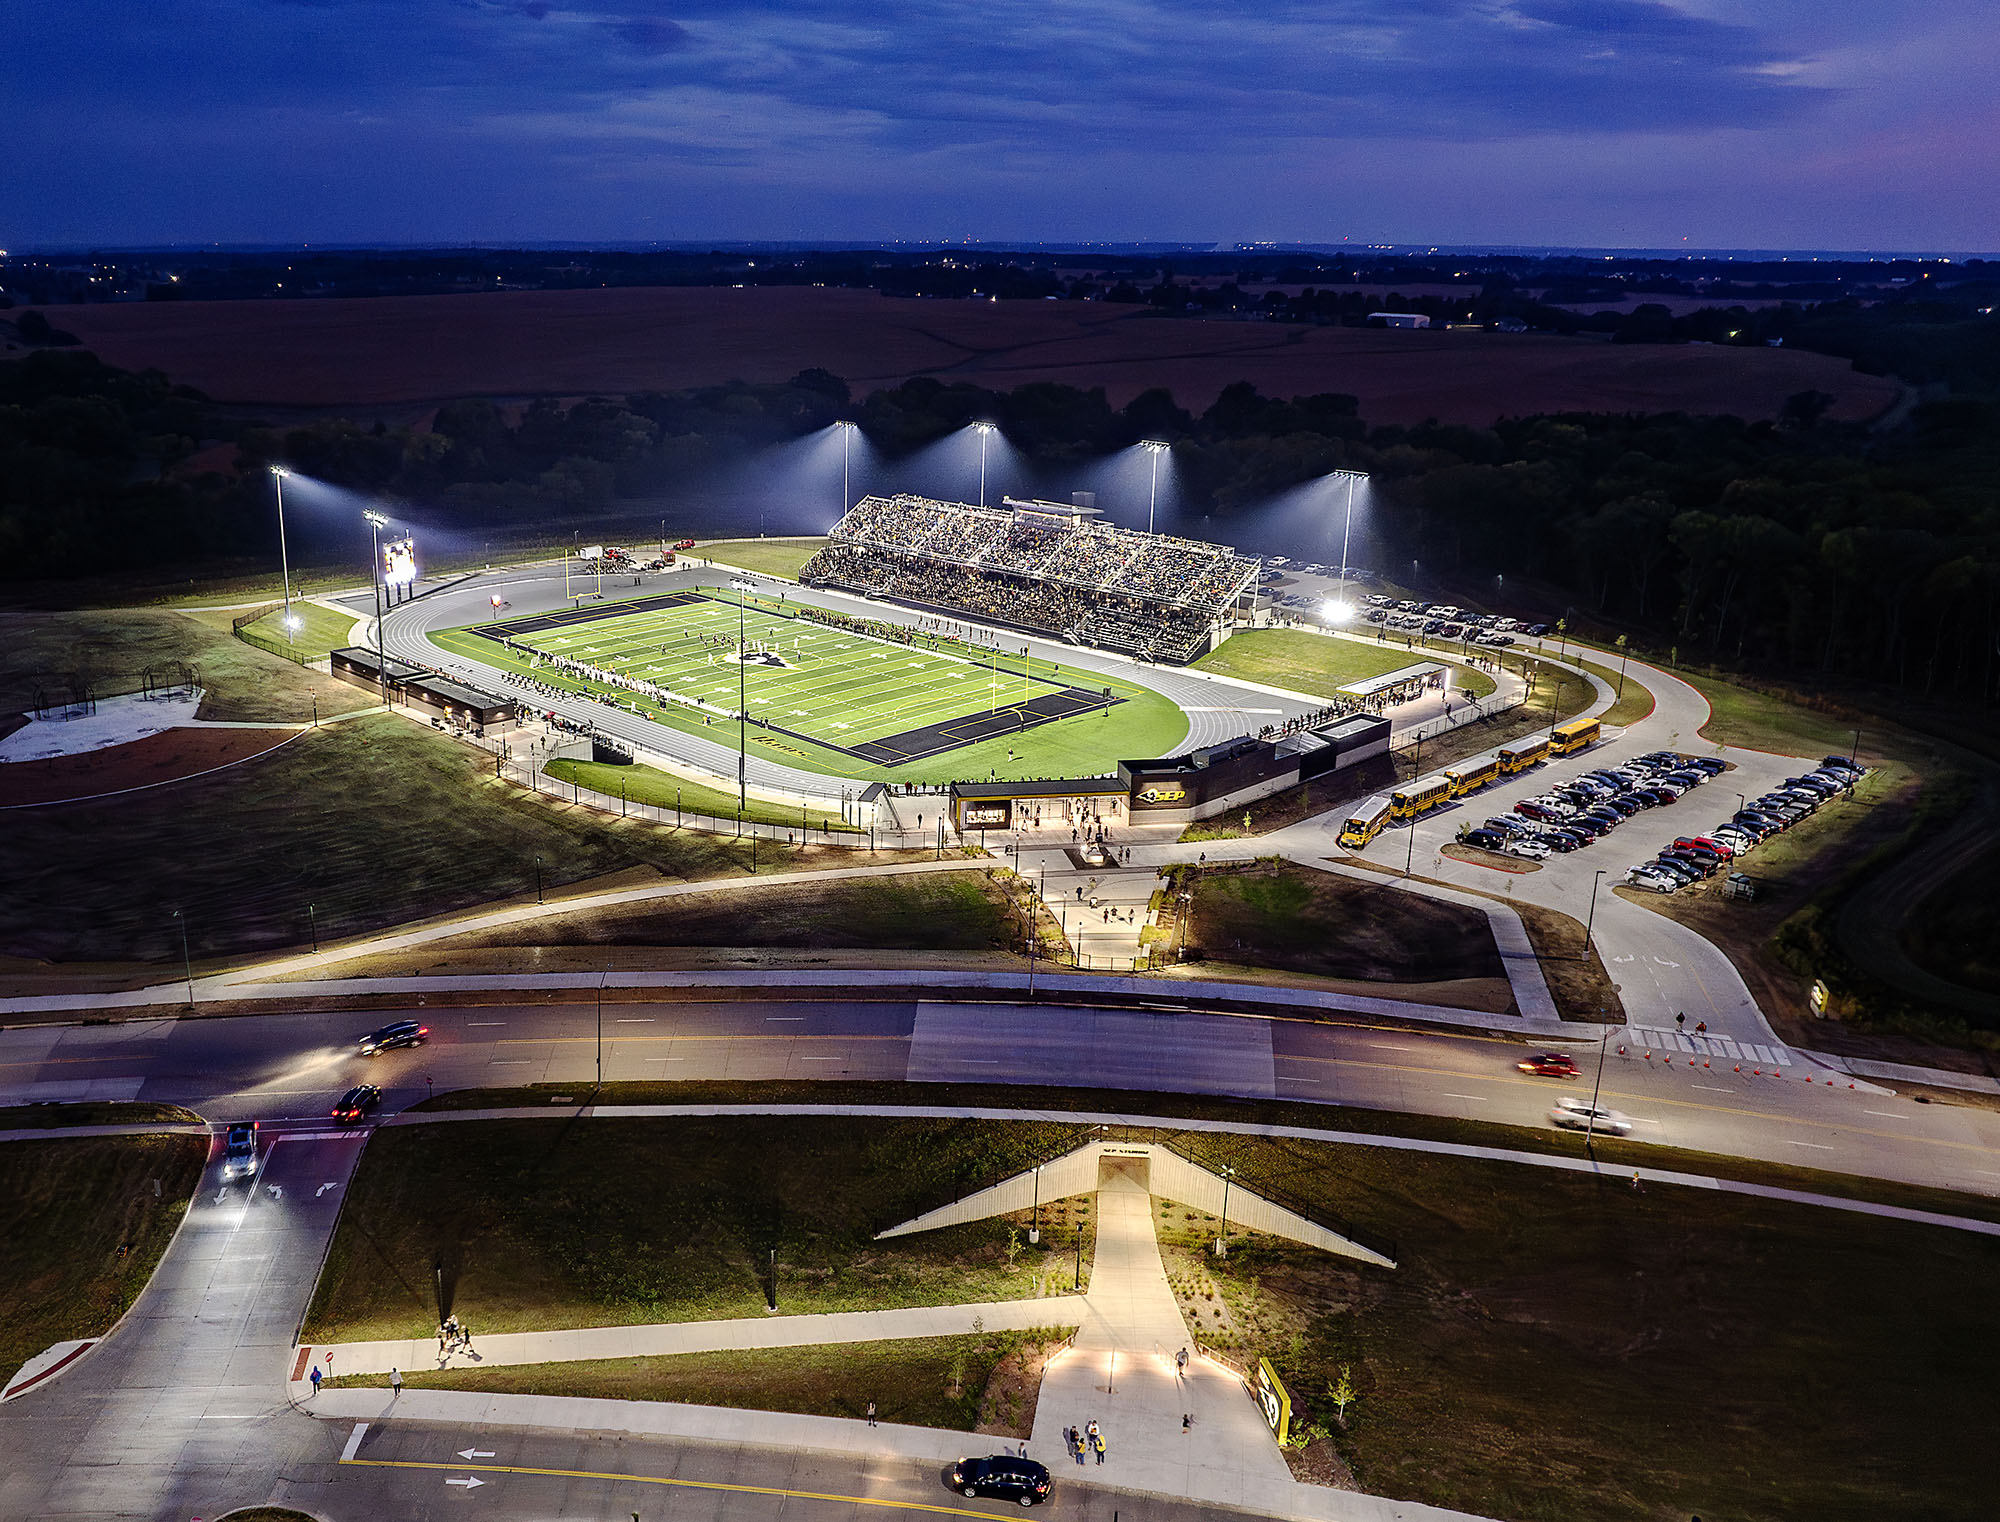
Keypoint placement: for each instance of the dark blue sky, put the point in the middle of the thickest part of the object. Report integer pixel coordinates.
(1727, 123)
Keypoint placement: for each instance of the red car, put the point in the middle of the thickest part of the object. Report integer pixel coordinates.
(1548, 1065)
(683, 544)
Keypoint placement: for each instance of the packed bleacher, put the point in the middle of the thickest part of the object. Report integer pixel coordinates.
(1039, 567)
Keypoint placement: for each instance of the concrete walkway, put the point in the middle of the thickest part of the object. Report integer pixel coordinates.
(669, 1337)
(1121, 1373)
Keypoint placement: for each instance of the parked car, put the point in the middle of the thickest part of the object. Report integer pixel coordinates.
(1485, 840)
(1527, 848)
(1679, 871)
(1579, 1116)
(1536, 630)
(1004, 1477)
(358, 1103)
(1653, 880)
(1845, 764)
(1715, 766)
(1549, 1065)
(396, 1033)
(1563, 841)
(1661, 793)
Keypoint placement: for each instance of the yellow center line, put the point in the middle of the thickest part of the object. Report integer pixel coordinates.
(650, 1479)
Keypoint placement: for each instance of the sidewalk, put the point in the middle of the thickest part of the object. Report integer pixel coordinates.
(699, 1336)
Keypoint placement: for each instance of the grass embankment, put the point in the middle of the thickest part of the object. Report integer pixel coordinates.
(1281, 915)
(109, 650)
(373, 822)
(1672, 1352)
(945, 1382)
(1753, 720)
(541, 1226)
(774, 557)
(95, 1112)
(81, 1229)
(320, 629)
(1319, 664)
(930, 911)
(665, 790)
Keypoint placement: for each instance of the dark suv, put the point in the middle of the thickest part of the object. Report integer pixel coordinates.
(1003, 1477)
(357, 1104)
(398, 1033)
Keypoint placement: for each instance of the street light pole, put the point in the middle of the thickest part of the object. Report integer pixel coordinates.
(1591, 921)
(375, 525)
(278, 474)
(187, 961)
(742, 715)
(1222, 1241)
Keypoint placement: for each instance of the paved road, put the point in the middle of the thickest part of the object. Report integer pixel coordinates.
(295, 1065)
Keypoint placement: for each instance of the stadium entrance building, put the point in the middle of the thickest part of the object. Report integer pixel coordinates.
(440, 698)
(1400, 686)
(1176, 789)
(1045, 567)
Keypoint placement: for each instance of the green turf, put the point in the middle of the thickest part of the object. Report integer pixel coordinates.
(80, 1231)
(618, 1222)
(648, 784)
(916, 1381)
(841, 688)
(320, 629)
(1561, 1348)
(1758, 721)
(773, 557)
(1317, 665)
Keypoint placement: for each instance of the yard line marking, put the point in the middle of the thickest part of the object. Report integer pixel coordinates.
(1886, 1114)
(1814, 1145)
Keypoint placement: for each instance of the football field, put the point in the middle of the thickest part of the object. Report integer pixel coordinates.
(879, 699)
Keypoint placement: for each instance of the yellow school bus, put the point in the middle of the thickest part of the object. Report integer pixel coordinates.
(1408, 802)
(1365, 823)
(1572, 737)
(1471, 776)
(1523, 754)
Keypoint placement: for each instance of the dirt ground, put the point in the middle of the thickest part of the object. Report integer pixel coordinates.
(157, 758)
(391, 351)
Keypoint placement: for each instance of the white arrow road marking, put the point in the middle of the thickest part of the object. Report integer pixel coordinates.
(1665, 963)
(1627, 958)
(323, 1189)
(222, 1194)
(277, 1191)
(470, 1483)
(474, 1453)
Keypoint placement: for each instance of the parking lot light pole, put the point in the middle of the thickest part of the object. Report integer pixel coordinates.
(187, 961)
(278, 474)
(1591, 921)
(538, 880)
(1222, 1241)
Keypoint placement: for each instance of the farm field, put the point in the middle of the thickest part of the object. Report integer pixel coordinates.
(837, 700)
(410, 350)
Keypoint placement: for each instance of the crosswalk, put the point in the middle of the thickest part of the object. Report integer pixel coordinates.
(1664, 1039)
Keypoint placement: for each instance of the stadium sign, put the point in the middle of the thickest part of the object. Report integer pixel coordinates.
(1161, 793)
(1275, 1399)
(399, 562)
(993, 814)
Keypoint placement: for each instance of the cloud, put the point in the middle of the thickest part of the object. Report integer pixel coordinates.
(653, 36)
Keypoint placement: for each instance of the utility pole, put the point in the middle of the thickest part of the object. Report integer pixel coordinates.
(375, 524)
(1591, 921)
(742, 713)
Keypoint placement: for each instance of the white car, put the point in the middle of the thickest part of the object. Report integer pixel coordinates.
(1652, 882)
(1579, 1116)
(1525, 848)
(1736, 840)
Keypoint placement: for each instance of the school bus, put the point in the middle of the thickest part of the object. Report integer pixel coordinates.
(1365, 823)
(1408, 802)
(1523, 754)
(1568, 739)
(1471, 776)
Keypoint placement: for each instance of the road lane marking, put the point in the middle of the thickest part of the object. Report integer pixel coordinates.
(472, 1023)
(1886, 1114)
(1711, 1088)
(510, 1062)
(663, 1059)
(353, 1442)
(1814, 1145)
(1481, 1097)
(635, 1019)
(784, 1017)
(651, 1479)
(1383, 1046)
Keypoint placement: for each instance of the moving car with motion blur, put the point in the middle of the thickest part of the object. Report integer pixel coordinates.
(239, 1151)
(1549, 1065)
(396, 1033)
(1576, 1115)
(357, 1104)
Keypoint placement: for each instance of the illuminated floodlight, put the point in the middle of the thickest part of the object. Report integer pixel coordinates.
(293, 621)
(1156, 448)
(1335, 611)
(985, 431)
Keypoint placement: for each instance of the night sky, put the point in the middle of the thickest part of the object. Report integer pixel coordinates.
(1832, 124)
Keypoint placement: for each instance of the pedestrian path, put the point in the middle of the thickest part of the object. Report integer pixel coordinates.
(1662, 1038)
(657, 1338)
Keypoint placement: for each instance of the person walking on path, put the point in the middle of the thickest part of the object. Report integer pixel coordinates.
(871, 1413)
(316, 1377)
(395, 1383)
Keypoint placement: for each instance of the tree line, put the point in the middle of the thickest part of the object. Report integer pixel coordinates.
(1798, 543)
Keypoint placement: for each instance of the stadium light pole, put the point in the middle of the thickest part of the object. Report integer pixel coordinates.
(1346, 527)
(984, 430)
(278, 474)
(846, 437)
(376, 523)
(1155, 448)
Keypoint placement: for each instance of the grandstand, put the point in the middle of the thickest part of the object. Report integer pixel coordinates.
(1040, 566)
